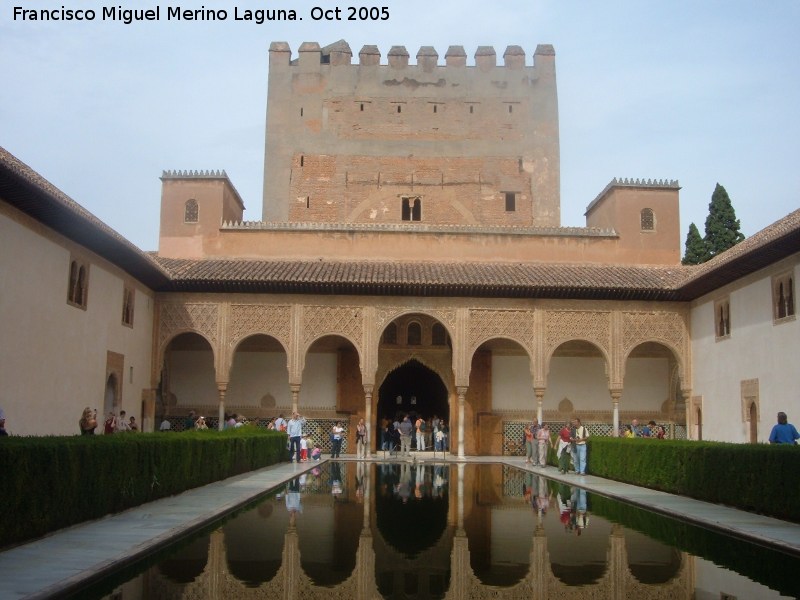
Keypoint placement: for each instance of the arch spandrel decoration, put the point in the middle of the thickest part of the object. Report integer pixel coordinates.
(249, 319)
(174, 318)
(665, 328)
(346, 321)
(516, 325)
(566, 325)
(386, 315)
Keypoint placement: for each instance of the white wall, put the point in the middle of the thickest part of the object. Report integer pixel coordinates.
(757, 348)
(319, 381)
(256, 374)
(53, 355)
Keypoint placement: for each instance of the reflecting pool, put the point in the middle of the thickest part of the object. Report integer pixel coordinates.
(439, 530)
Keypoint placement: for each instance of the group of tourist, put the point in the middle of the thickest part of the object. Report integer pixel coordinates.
(407, 431)
(650, 430)
(87, 424)
(570, 443)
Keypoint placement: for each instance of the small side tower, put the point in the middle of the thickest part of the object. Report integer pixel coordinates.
(193, 206)
(645, 216)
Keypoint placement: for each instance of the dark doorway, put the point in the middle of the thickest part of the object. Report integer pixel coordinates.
(422, 393)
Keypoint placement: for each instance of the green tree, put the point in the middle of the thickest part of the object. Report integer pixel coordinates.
(722, 226)
(696, 249)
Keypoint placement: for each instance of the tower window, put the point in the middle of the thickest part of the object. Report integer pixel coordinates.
(471, 109)
(648, 219)
(302, 160)
(411, 209)
(190, 211)
(301, 111)
(511, 201)
(398, 108)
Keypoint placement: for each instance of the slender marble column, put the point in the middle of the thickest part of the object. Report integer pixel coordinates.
(462, 393)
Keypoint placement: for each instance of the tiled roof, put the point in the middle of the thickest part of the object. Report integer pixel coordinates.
(774, 242)
(507, 280)
(26, 190)
(518, 280)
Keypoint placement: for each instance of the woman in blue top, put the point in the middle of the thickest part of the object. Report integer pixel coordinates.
(784, 432)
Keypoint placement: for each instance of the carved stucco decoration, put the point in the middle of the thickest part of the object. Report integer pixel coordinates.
(346, 321)
(249, 319)
(517, 325)
(667, 328)
(566, 325)
(386, 315)
(175, 318)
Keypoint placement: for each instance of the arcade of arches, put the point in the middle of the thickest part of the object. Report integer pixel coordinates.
(478, 364)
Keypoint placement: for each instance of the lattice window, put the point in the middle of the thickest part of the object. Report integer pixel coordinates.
(648, 219)
(191, 212)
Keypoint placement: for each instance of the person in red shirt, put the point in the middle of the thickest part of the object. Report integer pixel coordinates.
(562, 448)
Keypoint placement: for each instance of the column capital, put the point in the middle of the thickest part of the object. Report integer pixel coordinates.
(368, 388)
(616, 394)
(539, 391)
(461, 390)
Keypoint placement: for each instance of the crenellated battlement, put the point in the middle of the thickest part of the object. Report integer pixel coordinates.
(340, 54)
(189, 174)
(625, 182)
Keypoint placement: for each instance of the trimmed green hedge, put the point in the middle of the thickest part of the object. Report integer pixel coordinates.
(759, 478)
(53, 482)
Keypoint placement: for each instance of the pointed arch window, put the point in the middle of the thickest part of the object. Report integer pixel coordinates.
(783, 305)
(127, 306)
(190, 211)
(77, 291)
(722, 316)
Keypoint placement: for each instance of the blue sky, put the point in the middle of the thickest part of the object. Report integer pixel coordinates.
(701, 92)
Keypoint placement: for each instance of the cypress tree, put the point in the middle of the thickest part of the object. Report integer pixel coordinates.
(696, 249)
(722, 226)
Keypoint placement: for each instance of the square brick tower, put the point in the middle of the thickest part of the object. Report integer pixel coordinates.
(425, 144)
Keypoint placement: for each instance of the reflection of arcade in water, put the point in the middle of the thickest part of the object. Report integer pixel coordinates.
(420, 530)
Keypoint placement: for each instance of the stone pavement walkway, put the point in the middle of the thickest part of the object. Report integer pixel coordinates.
(77, 556)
